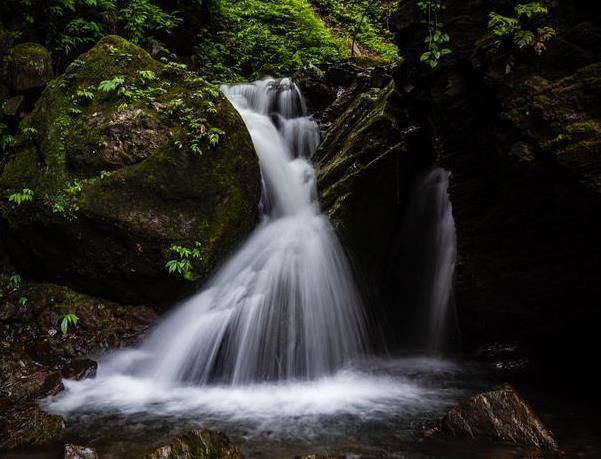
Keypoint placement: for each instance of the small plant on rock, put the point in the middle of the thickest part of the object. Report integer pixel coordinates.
(68, 321)
(111, 86)
(183, 264)
(30, 133)
(523, 29)
(6, 139)
(14, 282)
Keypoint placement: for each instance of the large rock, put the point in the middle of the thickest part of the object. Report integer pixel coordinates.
(120, 175)
(498, 415)
(197, 444)
(30, 67)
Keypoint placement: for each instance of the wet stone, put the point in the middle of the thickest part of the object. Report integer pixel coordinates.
(79, 452)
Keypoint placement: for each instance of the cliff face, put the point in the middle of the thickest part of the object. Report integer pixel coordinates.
(521, 135)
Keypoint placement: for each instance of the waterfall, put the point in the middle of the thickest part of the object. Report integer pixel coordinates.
(268, 350)
(430, 249)
(284, 306)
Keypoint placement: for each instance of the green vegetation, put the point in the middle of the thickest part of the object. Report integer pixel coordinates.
(69, 27)
(436, 40)
(366, 22)
(6, 139)
(110, 86)
(183, 264)
(524, 29)
(252, 37)
(21, 197)
(68, 321)
(14, 285)
(14, 282)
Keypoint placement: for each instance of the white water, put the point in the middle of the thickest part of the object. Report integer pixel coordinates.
(274, 340)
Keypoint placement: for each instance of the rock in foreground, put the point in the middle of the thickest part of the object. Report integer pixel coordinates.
(197, 444)
(498, 415)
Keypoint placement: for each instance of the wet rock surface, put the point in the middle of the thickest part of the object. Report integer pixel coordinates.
(79, 452)
(368, 163)
(498, 415)
(331, 88)
(197, 444)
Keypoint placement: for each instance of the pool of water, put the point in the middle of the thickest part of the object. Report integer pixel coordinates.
(369, 409)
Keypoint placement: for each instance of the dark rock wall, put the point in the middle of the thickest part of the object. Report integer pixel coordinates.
(520, 135)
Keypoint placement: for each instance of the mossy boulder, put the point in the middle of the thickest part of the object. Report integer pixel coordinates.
(126, 157)
(30, 67)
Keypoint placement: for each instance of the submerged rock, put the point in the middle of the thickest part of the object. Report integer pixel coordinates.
(30, 67)
(79, 452)
(197, 444)
(498, 415)
(127, 158)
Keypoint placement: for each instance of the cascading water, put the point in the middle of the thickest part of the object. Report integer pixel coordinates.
(284, 307)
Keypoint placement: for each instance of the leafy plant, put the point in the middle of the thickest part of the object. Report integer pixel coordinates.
(68, 321)
(436, 40)
(110, 86)
(183, 264)
(254, 37)
(23, 301)
(140, 18)
(522, 30)
(365, 21)
(30, 133)
(14, 282)
(85, 94)
(147, 75)
(25, 195)
(6, 139)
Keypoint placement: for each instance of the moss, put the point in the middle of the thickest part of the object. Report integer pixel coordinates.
(160, 192)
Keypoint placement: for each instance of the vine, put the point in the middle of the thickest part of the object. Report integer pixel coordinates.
(437, 40)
